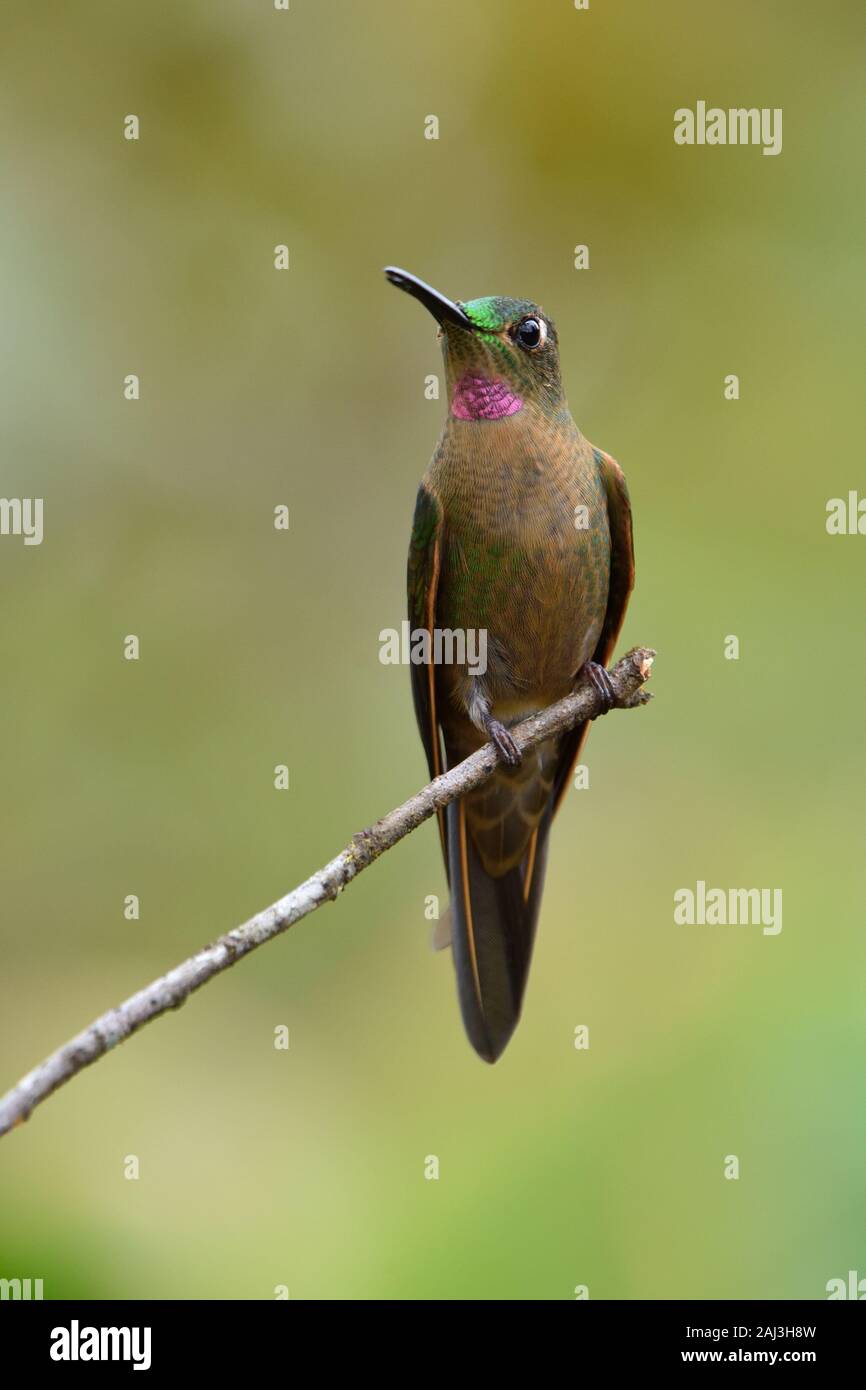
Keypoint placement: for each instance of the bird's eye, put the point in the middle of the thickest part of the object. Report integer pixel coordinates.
(530, 333)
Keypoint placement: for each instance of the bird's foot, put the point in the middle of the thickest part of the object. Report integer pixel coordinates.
(600, 681)
(502, 741)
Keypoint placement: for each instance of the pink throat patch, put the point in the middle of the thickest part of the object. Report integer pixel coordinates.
(479, 398)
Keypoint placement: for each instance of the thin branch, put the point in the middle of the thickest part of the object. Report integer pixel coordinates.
(171, 990)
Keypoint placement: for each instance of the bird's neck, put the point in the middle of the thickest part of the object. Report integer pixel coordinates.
(477, 396)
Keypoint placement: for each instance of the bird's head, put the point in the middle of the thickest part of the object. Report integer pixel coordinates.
(500, 354)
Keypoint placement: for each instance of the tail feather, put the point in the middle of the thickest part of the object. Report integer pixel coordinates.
(492, 932)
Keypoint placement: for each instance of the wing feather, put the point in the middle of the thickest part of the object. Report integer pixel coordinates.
(619, 588)
(425, 558)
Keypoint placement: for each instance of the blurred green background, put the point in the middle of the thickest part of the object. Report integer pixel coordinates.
(306, 1168)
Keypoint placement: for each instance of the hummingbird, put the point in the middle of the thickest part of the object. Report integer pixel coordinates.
(522, 530)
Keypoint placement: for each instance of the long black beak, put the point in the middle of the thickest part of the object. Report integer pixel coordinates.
(443, 310)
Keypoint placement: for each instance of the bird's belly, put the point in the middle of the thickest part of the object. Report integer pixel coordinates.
(540, 603)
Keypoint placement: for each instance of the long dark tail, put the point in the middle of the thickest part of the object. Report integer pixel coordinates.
(492, 932)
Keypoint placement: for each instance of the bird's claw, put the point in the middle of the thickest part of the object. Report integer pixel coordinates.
(600, 681)
(504, 744)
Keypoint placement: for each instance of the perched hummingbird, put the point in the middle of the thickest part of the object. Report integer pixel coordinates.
(522, 529)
